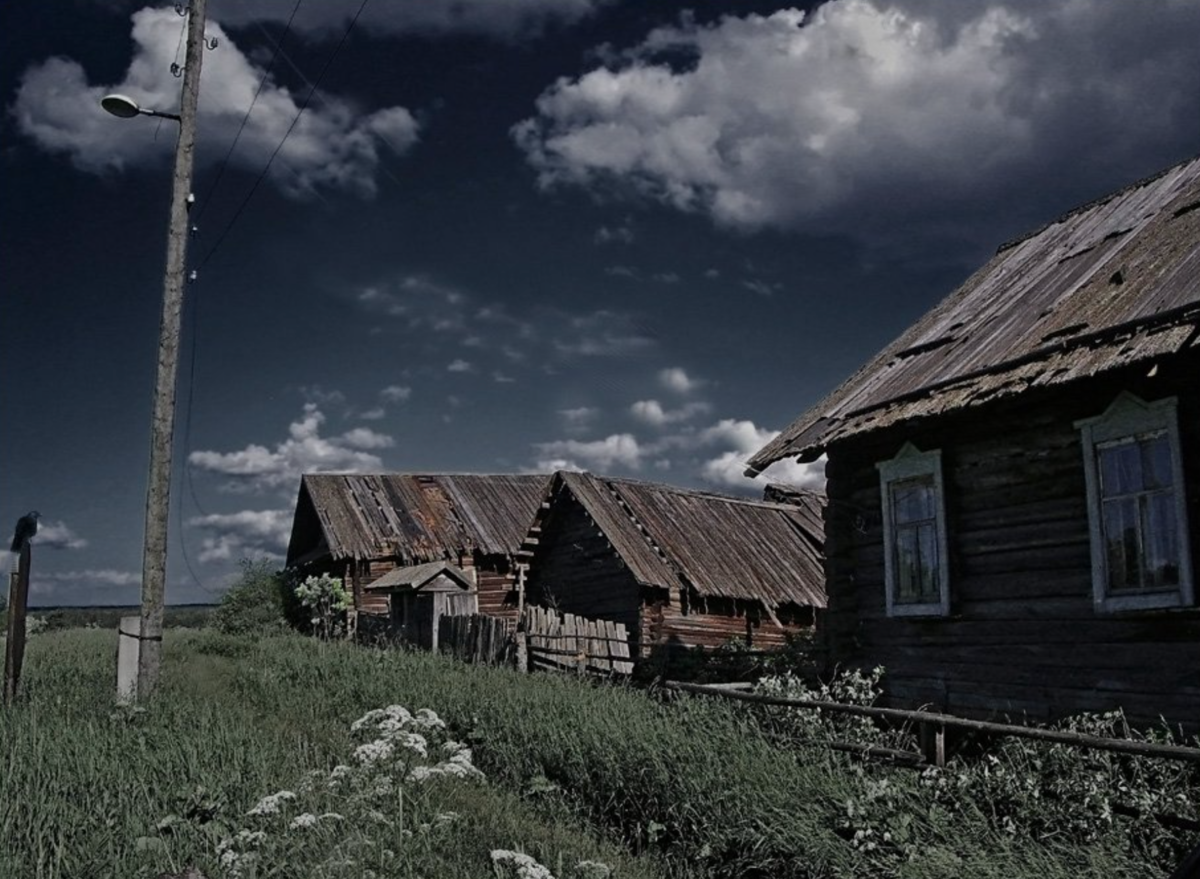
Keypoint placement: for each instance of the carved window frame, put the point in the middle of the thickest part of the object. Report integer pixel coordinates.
(910, 463)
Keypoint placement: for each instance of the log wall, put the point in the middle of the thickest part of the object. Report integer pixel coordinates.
(1023, 636)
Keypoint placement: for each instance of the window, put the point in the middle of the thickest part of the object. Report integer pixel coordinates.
(1136, 512)
(914, 534)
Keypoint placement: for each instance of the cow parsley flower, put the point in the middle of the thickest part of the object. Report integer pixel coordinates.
(524, 867)
(305, 819)
(269, 805)
(373, 752)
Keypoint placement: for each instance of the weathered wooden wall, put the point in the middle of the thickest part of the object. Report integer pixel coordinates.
(1023, 636)
(575, 569)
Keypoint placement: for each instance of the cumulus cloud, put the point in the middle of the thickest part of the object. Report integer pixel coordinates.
(250, 534)
(335, 145)
(458, 365)
(619, 233)
(602, 333)
(500, 19)
(618, 449)
(579, 418)
(58, 535)
(676, 379)
(785, 120)
(652, 412)
(257, 468)
(743, 439)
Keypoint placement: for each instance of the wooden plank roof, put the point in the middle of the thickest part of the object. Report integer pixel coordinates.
(414, 577)
(721, 546)
(417, 517)
(1112, 283)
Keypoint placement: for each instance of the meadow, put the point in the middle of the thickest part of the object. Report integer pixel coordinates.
(246, 764)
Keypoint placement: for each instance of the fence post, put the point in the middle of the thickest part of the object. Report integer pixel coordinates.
(933, 743)
(522, 650)
(14, 645)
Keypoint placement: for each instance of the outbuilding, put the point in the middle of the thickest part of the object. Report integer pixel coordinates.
(680, 568)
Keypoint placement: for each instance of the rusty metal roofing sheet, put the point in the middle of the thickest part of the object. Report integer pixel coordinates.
(1090, 292)
(418, 517)
(722, 546)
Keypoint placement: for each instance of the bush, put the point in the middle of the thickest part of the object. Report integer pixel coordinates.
(255, 603)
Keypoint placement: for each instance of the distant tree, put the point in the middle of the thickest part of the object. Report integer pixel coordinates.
(254, 603)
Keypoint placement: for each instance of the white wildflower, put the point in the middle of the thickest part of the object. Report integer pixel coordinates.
(269, 805)
(445, 818)
(593, 870)
(523, 865)
(414, 742)
(332, 816)
(305, 819)
(420, 773)
(427, 719)
(373, 752)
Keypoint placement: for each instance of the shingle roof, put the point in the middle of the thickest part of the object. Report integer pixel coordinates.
(721, 546)
(1112, 283)
(418, 517)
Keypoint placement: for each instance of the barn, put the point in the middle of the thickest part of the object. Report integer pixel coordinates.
(363, 526)
(1010, 482)
(680, 568)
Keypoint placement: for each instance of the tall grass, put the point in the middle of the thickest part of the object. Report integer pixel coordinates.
(690, 780)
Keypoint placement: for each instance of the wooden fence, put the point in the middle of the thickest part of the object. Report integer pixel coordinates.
(567, 642)
(477, 639)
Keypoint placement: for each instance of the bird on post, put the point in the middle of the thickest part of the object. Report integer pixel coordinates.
(27, 526)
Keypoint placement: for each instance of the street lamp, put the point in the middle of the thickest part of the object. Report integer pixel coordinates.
(158, 493)
(126, 108)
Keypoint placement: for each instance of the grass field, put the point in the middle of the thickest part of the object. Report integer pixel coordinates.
(576, 773)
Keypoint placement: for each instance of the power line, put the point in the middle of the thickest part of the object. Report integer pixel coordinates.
(262, 82)
(328, 63)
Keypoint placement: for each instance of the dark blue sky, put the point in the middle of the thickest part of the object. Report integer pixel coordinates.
(513, 236)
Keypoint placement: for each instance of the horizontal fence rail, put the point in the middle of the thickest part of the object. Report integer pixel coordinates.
(940, 722)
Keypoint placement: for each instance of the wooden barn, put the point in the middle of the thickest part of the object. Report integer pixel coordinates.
(679, 568)
(1010, 482)
(362, 526)
(420, 595)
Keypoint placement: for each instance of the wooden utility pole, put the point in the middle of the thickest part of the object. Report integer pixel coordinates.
(14, 645)
(158, 495)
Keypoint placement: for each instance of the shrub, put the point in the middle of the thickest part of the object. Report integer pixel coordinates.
(327, 600)
(254, 604)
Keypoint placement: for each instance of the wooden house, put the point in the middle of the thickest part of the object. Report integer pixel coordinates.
(362, 526)
(420, 595)
(1011, 482)
(679, 568)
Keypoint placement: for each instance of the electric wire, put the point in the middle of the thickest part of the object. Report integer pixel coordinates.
(246, 118)
(262, 175)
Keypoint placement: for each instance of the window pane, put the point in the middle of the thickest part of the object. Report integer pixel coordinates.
(907, 589)
(1121, 544)
(912, 500)
(1156, 462)
(1120, 469)
(1160, 536)
(928, 571)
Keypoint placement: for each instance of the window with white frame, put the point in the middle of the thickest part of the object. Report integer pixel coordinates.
(914, 533)
(1136, 511)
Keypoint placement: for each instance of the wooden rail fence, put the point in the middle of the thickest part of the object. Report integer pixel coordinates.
(477, 639)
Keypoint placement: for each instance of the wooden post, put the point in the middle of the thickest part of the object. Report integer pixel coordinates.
(933, 743)
(129, 643)
(14, 645)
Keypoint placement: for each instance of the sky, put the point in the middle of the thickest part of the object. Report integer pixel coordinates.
(631, 237)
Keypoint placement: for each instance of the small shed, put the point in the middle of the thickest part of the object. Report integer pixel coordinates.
(1010, 483)
(420, 595)
(360, 526)
(680, 568)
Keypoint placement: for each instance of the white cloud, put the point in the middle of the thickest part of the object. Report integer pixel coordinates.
(676, 379)
(869, 107)
(58, 535)
(620, 233)
(255, 534)
(257, 468)
(458, 365)
(762, 288)
(618, 449)
(335, 144)
(602, 333)
(579, 418)
(376, 414)
(652, 412)
(503, 19)
(500, 378)
(744, 439)
(395, 393)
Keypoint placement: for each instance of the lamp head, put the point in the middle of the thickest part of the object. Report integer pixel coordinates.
(120, 105)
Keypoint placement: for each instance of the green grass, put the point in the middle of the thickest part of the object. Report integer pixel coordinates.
(691, 786)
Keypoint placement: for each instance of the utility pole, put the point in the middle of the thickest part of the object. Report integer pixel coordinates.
(158, 495)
